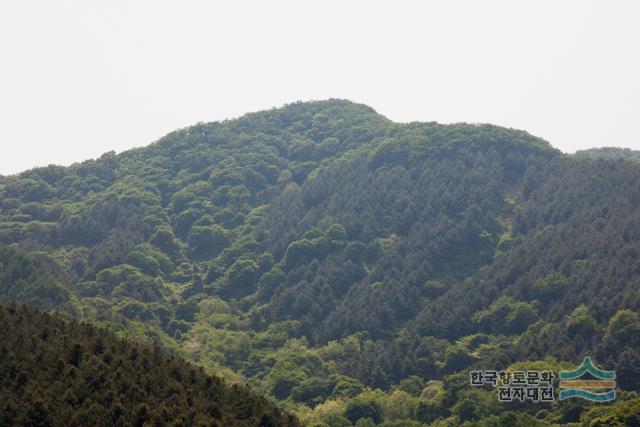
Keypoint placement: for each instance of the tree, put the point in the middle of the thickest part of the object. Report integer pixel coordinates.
(412, 385)
(624, 326)
(365, 422)
(357, 409)
(628, 369)
(457, 358)
(207, 241)
(581, 323)
(521, 315)
(356, 252)
(241, 279)
(505, 315)
(163, 238)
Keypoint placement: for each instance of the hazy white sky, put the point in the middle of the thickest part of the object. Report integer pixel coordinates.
(79, 78)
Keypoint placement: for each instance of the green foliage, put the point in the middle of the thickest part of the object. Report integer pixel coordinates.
(207, 241)
(240, 279)
(365, 422)
(507, 316)
(346, 387)
(550, 287)
(31, 281)
(520, 316)
(581, 323)
(164, 240)
(70, 373)
(302, 251)
(611, 153)
(434, 288)
(312, 390)
(126, 281)
(358, 409)
(624, 325)
(356, 252)
(457, 358)
(145, 263)
(625, 413)
(412, 385)
(511, 418)
(326, 255)
(474, 405)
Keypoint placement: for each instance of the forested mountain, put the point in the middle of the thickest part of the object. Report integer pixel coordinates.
(612, 153)
(61, 373)
(347, 266)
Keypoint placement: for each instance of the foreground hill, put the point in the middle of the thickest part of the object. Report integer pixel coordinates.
(338, 261)
(56, 372)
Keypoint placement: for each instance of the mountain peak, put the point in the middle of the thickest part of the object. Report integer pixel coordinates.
(343, 112)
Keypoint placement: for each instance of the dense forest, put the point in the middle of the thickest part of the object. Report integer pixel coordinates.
(64, 373)
(612, 153)
(350, 268)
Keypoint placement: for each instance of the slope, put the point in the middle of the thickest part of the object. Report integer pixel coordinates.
(321, 251)
(55, 372)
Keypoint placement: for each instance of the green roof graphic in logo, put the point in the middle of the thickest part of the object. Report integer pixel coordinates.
(572, 386)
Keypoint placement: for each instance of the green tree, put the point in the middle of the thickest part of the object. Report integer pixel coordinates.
(624, 326)
(163, 238)
(457, 358)
(357, 409)
(240, 279)
(207, 241)
(581, 323)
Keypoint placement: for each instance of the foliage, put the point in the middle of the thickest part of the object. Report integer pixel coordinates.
(57, 372)
(333, 259)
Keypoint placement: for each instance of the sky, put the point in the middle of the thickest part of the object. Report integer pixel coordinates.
(80, 78)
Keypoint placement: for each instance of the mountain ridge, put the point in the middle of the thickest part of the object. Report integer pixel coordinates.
(331, 257)
(333, 106)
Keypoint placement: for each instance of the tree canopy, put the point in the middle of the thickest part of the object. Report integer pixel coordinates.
(348, 267)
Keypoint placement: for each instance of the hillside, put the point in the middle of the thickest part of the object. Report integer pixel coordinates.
(56, 372)
(611, 153)
(348, 266)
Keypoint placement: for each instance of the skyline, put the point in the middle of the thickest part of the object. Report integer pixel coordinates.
(83, 78)
(276, 106)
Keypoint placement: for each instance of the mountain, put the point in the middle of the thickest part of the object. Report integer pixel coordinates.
(59, 372)
(346, 265)
(612, 153)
